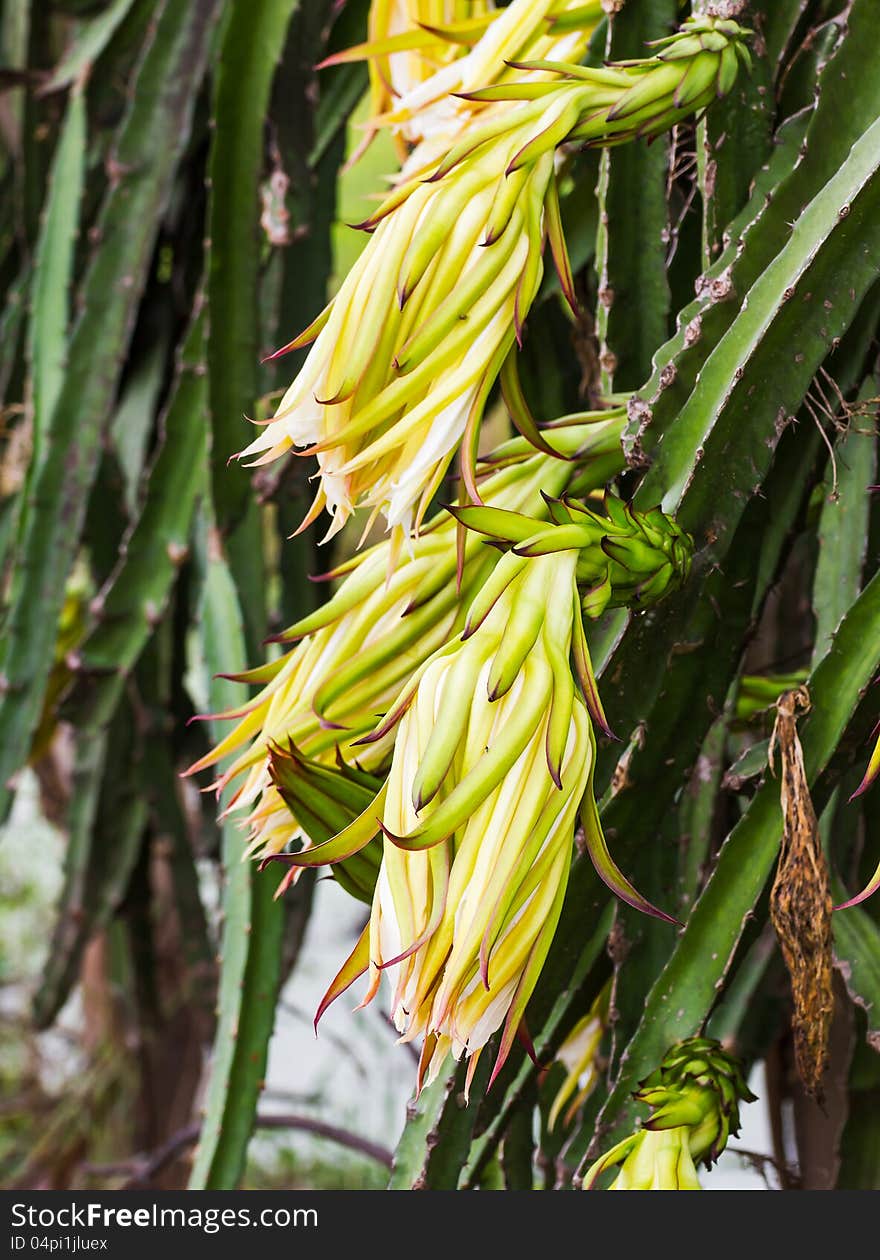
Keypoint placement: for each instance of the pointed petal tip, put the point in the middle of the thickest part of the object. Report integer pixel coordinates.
(389, 834)
(276, 354)
(858, 898)
(283, 637)
(863, 787)
(326, 725)
(499, 1064)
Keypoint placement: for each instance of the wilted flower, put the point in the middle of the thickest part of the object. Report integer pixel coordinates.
(353, 654)
(405, 355)
(759, 692)
(694, 1096)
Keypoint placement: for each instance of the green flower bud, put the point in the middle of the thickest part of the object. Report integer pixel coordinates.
(694, 1097)
(625, 557)
(325, 800)
(493, 758)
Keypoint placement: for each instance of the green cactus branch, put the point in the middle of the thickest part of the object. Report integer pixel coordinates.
(145, 160)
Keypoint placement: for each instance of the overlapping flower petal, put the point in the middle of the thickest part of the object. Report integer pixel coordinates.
(349, 659)
(405, 355)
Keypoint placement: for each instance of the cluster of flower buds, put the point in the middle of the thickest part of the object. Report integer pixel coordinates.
(493, 754)
(405, 355)
(625, 557)
(694, 1096)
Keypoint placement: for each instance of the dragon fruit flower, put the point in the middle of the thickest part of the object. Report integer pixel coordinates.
(493, 753)
(345, 663)
(423, 56)
(492, 766)
(405, 355)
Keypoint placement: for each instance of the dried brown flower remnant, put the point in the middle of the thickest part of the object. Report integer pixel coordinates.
(800, 901)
